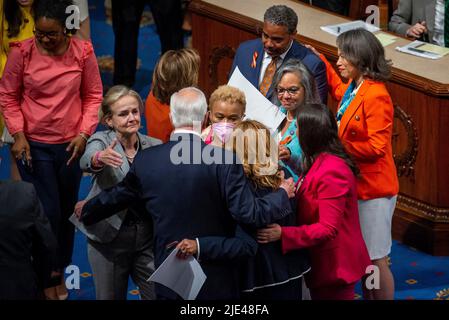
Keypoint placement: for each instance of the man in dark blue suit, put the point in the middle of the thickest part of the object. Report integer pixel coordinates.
(278, 42)
(194, 190)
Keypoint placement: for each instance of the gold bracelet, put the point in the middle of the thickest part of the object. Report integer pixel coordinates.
(84, 136)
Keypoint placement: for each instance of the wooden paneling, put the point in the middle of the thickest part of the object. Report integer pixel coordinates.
(216, 41)
(357, 11)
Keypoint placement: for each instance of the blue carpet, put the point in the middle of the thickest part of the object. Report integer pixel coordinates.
(417, 275)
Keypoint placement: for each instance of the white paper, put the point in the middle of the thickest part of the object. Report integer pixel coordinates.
(81, 227)
(413, 48)
(115, 221)
(258, 107)
(336, 29)
(183, 276)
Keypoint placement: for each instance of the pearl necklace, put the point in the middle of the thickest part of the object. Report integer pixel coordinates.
(133, 156)
(289, 120)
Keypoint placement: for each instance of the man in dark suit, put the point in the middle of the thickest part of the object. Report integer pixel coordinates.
(255, 58)
(194, 190)
(27, 243)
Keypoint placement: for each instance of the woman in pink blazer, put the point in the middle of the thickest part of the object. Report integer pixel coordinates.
(328, 219)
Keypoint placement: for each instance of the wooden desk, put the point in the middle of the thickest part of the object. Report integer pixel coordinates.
(419, 89)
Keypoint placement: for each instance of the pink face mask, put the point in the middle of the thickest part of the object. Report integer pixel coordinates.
(223, 130)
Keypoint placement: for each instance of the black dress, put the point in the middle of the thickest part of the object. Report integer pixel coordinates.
(270, 274)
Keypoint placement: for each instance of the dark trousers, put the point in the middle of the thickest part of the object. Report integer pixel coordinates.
(57, 187)
(126, 15)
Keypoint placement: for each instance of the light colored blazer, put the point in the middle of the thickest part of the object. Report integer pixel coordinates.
(107, 229)
(410, 12)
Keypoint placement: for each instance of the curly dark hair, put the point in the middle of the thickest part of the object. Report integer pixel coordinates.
(281, 15)
(54, 9)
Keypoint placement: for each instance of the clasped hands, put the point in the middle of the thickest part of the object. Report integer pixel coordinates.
(417, 30)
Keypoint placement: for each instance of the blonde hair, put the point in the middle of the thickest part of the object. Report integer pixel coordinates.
(228, 94)
(256, 170)
(114, 94)
(175, 70)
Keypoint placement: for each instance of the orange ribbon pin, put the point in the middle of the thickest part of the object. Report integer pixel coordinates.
(253, 63)
(286, 140)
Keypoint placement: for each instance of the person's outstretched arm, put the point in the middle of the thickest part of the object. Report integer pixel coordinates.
(112, 200)
(243, 204)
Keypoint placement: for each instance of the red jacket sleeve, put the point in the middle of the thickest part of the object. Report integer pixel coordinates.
(91, 91)
(11, 91)
(337, 87)
(331, 192)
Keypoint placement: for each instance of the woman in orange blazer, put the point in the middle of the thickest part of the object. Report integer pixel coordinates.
(327, 214)
(365, 119)
(176, 69)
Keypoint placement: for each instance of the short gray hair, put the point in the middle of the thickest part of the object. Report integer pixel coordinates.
(281, 15)
(307, 80)
(188, 107)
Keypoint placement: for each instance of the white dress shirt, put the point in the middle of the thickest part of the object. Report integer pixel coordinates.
(438, 29)
(187, 131)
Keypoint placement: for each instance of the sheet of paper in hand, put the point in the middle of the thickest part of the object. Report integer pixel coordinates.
(183, 276)
(258, 107)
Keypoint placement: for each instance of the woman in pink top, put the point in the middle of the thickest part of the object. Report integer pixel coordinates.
(328, 218)
(49, 95)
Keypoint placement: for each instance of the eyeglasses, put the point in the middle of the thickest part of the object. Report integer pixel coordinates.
(291, 91)
(50, 35)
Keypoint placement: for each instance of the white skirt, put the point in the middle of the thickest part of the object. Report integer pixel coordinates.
(375, 222)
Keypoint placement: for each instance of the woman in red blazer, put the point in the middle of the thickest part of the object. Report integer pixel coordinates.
(365, 117)
(327, 215)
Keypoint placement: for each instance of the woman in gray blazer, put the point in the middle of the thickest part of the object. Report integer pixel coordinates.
(122, 245)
